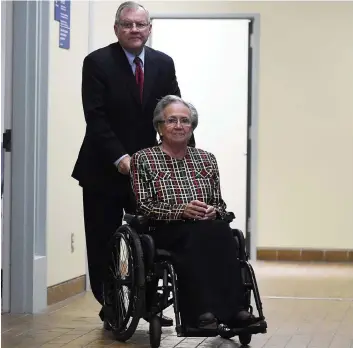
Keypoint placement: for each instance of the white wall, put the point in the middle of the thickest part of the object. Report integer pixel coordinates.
(65, 133)
(102, 23)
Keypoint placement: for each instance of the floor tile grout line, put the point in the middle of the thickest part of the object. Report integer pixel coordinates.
(341, 299)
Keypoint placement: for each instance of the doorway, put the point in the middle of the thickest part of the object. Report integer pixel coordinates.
(214, 64)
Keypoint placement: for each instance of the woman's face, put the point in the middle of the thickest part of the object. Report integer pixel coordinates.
(176, 128)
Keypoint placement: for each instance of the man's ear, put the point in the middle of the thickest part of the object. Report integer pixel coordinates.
(116, 29)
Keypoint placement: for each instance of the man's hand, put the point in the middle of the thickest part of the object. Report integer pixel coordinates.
(124, 165)
(211, 213)
(195, 210)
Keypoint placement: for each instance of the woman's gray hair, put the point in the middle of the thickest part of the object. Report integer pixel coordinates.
(130, 5)
(158, 115)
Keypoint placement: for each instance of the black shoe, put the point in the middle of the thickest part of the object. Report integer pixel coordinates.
(104, 314)
(165, 321)
(107, 326)
(207, 321)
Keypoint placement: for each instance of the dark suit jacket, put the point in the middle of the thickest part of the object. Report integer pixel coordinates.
(117, 122)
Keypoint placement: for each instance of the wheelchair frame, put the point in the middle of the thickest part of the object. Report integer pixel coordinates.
(157, 265)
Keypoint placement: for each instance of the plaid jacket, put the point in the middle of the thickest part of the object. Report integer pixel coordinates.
(163, 185)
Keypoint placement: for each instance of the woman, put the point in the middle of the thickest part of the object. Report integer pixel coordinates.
(178, 188)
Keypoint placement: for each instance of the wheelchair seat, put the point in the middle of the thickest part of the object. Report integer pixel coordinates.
(145, 264)
(164, 255)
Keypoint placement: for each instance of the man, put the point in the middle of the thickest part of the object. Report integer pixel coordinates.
(121, 85)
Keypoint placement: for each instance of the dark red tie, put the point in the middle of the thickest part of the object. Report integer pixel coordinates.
(139, 75)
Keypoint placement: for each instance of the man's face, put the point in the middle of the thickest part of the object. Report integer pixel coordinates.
(133, 29)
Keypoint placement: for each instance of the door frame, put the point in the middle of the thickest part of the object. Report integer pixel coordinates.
(6, 123)
(251, 232)
(90, 49)
(28, 255)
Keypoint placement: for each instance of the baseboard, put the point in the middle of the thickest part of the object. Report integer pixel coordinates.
(305, 255)
(63, 291)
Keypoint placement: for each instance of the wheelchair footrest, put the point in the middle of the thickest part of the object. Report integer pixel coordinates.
(196, 332)
(259, 327)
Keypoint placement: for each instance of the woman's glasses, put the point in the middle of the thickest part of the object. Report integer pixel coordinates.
(173, 121)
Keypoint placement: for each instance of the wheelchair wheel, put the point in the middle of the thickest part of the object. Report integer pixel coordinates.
(225, 332)
(245, 339)
(155, 332)
(124, 288)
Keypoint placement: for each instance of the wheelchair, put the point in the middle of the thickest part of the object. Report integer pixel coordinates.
(135, 264)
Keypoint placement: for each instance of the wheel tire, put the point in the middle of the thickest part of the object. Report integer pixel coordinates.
(124, 326)
(227, 336)
(245, 339)
(155, 332)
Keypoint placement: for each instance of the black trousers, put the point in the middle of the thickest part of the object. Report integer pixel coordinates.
(209, 275)
(102, 216)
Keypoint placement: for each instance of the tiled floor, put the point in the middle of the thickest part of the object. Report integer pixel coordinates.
(306, 305)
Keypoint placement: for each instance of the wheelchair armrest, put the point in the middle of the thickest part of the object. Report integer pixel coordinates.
(229, 217)
(243, 255)
(137, 222)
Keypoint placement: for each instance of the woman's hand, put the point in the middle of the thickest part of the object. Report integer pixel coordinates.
(211, 213)
(195, 210)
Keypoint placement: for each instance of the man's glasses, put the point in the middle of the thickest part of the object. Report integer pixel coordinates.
(130, 25)
(173, 121)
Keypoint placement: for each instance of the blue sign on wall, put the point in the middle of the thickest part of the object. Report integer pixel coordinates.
(62, 13)
(57, 10)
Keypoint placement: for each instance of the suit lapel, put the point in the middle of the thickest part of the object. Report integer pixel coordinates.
(150, 74)
(124, 66)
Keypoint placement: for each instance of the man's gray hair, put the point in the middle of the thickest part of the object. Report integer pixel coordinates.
(158, 115)
(130, 5)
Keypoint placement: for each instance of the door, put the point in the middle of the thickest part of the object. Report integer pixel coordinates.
(6, 124)
(211, 59)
